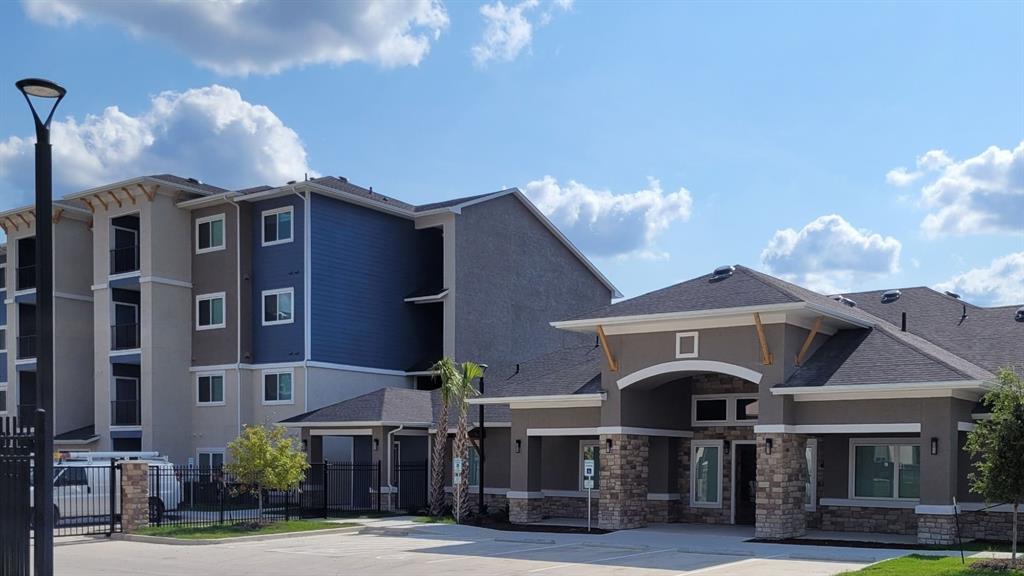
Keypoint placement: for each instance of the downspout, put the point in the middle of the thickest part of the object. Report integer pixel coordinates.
(306, 294)
(238, 311)
(391, 488)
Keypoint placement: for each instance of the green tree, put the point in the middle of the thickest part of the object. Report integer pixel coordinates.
(997, 445)
(266, 459)
(460, 491)
(445, 371)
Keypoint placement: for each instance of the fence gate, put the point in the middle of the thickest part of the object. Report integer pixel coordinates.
(16, 450)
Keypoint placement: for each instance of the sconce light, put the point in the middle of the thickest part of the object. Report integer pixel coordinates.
(935, 446)
(519, 446)
(305, 445)
(768, 446)
(727, 448)
(608, 443)
(376, 444)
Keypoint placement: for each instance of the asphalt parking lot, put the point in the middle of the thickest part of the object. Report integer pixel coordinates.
(426, 554)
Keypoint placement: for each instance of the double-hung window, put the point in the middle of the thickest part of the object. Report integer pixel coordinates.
(210, 311)
(706, 473)
(885, 469)
(277, 226)
(210, 388)
(278, 306)
(210, 234)
(277, 387)
(211, 459)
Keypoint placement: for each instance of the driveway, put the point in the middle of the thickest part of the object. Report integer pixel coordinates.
(393, 548)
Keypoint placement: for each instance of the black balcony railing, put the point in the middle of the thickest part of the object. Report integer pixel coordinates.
(125, 413)
(124, 336)
(26, 347)
(26, 412)
(26, 277)
(124, 259)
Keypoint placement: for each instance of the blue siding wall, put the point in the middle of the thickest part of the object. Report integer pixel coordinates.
(278, 266)
(364, 264)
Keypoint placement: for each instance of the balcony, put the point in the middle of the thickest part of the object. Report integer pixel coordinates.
(27, 413)
(125, 413)
(26, 277)
(26, 347)
(124, 336)
(124, 259)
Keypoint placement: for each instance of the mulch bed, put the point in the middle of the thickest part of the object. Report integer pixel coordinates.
(999, 565)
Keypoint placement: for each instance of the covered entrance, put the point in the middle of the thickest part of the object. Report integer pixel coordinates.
(745, 487)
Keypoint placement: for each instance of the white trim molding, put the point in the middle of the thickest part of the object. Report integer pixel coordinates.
(277, 293)
(263, 386)
(895, 428)
(223, 233)
(696, 345)
(599, 430)
(963, 389)
(690, 366)
(165, 281)
(223, 310)
(523, 495)
(291, 225)
(860, 503)
(550, 401)
(965, 426)
(337, 431)
(663, 496)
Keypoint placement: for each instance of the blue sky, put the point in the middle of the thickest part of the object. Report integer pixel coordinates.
(664, 138)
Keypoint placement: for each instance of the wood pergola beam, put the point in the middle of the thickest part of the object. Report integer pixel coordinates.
(130, 195)
(114, 196)
(766, 356)
(23, 219)
(58, 215)
(101, 201)
(613, 364)
(13, 223)
(810, 338)
(149, 195)
(92, 209)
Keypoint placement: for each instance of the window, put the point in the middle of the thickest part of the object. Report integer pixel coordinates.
(277, 388)
(724, 409)
(3, 399)
(71, 476)
(706, 473)
(888, 469)
(686, 345)
(210, 388)
(210, 234)
(277, 306)
(210, 311)
(3, 276)
(474, 467)
(811, 484)
(591, 450)
(210, 459)
(277, 226)
(3, 338)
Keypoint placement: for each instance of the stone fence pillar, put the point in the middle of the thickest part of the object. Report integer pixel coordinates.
(134, 496)
(781, 475)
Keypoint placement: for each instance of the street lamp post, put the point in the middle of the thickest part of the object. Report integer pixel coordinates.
(44, 89)
(481, 507)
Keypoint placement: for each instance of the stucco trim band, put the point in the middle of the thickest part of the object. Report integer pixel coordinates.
(899, 428)
(690, 366)
(599, 430)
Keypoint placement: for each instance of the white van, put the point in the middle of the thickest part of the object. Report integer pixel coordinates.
(82, 485)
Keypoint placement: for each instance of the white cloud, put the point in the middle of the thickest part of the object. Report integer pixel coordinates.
(901, 176)
(247, 37)
(509, 29)
(830, 255)
(1000, 284)
(207, 133)
(611, 225)
(928, 162)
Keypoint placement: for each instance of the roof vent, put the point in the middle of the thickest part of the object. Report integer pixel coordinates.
(890, 296)
(290, 182)
(342, 178)
(952, 294)
(722, 272)
(844, 300)
(1019, 316)
(194, 181)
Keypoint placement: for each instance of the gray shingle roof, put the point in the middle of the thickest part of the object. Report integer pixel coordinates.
(384, 405)
(574, 370)
(455, 201)
(172, 179)
(344, 185)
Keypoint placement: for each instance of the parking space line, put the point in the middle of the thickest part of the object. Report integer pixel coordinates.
(521, 551)
(608, 559)
(717, 567)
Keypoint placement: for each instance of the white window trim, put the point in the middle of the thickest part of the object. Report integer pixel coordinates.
(852, 470)
(275, 212)
(211, 451)
(730, 409)
(223, 236)
(696, 343)
(812, 472)
(263, 306)
(263, 389)
(579, 471)
(224, 308)
(693, 468)
(223, 388)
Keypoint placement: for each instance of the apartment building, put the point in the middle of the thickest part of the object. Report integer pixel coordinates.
(199, 310)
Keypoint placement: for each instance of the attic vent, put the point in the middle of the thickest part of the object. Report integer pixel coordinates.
(290, 182)
(194, 181)
(844, 300)
(1019, 316)
(952, 294)
(890, 296)
(722, 272)
(342, 178)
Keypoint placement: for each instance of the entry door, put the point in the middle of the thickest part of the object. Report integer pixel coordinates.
(126, 397)
(126, 320)
(745, 484)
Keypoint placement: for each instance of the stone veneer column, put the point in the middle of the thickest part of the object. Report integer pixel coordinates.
(780, 486)
(134, 496)
(623, 502)
(525, 508)
(936, 529)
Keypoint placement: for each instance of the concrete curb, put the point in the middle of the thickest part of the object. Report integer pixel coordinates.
(525, 540)
(398, 531)
(231, 540)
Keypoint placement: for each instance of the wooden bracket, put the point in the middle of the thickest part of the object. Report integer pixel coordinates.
(130, 195)
(613, 364)
(4, 227)
(13, 223)
(58, 215)
(810, 338)
(92, 209)
(101, 201)
(114, 196)
(766, 356)
(149, 195)
(23, 219)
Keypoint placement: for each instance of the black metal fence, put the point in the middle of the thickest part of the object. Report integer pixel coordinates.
(190, 496)
(16, 449)
(86, 498)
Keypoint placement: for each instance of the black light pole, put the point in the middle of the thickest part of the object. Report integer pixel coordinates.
(480, 473)
(44, 89)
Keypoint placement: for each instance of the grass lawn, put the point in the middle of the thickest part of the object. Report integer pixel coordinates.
(232, 530)
(432, 520)
(915, 565)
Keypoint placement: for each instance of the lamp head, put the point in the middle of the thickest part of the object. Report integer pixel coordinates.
(40, 88)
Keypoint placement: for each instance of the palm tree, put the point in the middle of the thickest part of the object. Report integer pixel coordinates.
(448, 373)
(460, 498)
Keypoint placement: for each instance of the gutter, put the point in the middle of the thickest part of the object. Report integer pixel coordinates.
(391, 465)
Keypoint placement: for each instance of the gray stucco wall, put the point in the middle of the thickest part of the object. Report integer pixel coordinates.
(527, 465)
(213, 272)
(513, 277)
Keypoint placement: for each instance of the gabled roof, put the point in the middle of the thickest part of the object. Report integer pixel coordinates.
(386, 405)
(573, 370)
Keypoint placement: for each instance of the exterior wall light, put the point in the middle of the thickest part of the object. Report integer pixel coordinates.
(608, 443)
(935, 446)
(519, 446)
(376, 444)
(768, 446)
